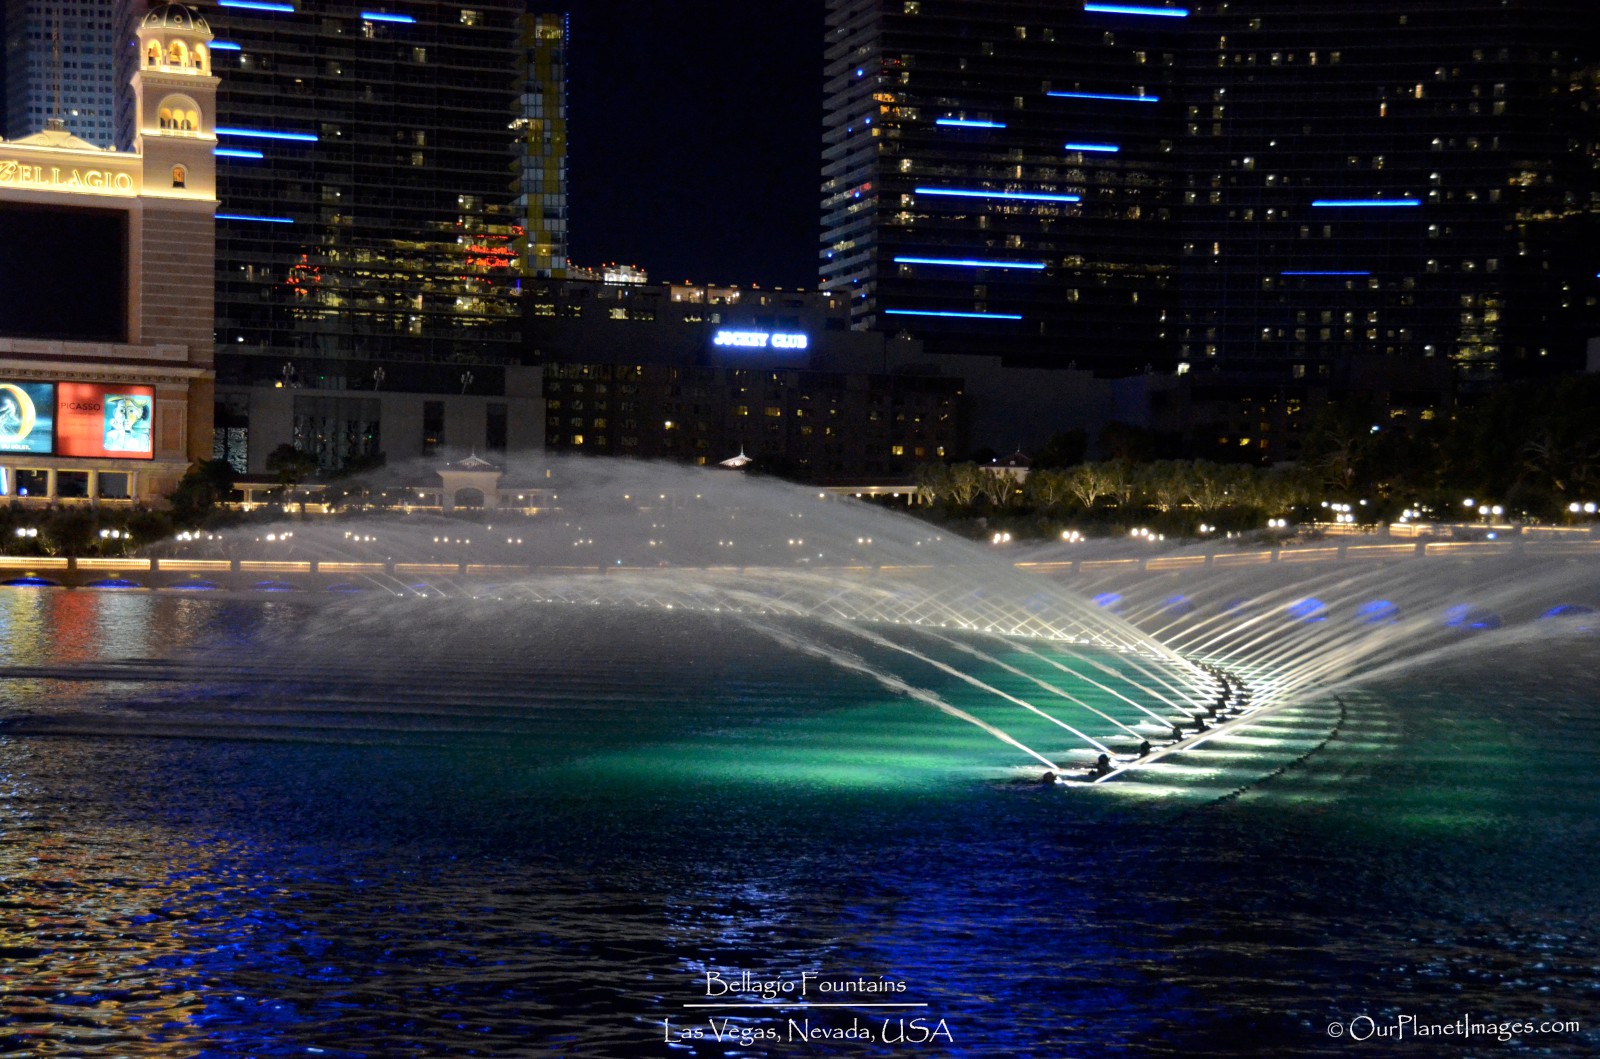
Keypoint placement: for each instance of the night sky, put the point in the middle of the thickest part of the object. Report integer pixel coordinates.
(694, 137)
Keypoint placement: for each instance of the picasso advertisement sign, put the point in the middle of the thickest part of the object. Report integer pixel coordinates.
(105, 420)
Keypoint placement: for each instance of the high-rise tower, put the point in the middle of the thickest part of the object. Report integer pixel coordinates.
(542, 124)
(57, 65)
(998, 176)
(1389, 181)
(1288, 198)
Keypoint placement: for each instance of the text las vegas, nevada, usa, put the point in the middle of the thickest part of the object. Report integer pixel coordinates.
(895, 1029)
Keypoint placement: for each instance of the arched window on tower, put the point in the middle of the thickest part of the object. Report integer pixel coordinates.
(200, 58)
(180, 176)
(153, 56)
(179, 113)
(177, 54)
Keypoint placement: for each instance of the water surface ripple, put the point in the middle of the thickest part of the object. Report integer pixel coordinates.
(262, 828)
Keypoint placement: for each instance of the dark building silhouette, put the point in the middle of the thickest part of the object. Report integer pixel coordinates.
(1000, 178)
(702, 373)
(1387, 200)
(1283, 200)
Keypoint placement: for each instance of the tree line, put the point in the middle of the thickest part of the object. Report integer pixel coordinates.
(1173, 492)
(1533, 448)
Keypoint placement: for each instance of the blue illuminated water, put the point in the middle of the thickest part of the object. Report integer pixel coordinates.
(372, 827)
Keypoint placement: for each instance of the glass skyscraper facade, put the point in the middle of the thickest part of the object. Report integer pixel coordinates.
(1389, 180)
(56, 67)
(999, 177)
(1279, 196)
(542, 125)
(367, 188)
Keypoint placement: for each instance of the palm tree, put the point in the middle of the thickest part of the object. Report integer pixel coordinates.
(292, 467)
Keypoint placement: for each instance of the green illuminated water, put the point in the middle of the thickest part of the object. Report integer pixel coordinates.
(235, 827)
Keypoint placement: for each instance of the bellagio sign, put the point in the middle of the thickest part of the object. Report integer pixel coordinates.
(74, 179)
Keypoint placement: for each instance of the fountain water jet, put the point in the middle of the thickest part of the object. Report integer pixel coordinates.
(623, 534)
(943, 667)
(1380, 621)
(1137, 705)
(990, 659)
(844, 660)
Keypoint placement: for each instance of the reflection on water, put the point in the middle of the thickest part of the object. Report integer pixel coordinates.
(245, 828)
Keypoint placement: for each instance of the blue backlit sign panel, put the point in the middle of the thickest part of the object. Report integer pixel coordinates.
(761, 340)
(27, 416)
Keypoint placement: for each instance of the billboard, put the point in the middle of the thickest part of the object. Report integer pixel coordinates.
(105, 420)
(27, 416)
(63, 272)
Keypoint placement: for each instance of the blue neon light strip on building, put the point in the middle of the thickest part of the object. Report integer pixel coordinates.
(1308, 273)
(966, 124)
(384, 16)
(1124, 9)
(1032, 266)
(224, 45)
(929, 312)
(1366, 202)
(236, 152)
(1103, 148)
(250, 217)
(267, 134)
(1031, 196)
(1101, 95)
(258, 5)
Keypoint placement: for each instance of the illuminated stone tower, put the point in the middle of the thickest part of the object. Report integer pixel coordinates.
(176, 99)
(175, 96)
